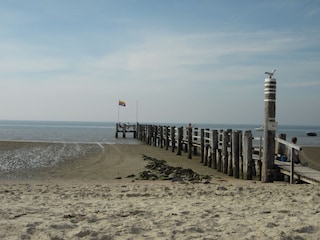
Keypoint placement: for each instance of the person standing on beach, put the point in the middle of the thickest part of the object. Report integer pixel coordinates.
(295, 153)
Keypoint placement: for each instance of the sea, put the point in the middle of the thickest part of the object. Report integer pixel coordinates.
(104, 132)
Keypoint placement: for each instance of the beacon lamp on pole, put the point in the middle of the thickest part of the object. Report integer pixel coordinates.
(270, 127)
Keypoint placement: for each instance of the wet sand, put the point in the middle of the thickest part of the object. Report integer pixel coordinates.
(88, 195)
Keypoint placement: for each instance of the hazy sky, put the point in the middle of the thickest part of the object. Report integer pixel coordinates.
(199, 61)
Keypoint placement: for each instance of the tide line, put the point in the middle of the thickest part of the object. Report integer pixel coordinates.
(100, 145)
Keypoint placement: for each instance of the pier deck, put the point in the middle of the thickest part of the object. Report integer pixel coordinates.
(302, 173)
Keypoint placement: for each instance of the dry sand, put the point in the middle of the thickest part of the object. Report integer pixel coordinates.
(79, 198)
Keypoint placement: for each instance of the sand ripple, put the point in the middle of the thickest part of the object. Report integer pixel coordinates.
(158, 210)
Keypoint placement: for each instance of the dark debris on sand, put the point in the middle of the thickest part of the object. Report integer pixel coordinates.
(159, 170)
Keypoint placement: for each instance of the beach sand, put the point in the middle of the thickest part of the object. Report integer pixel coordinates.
(90, 196)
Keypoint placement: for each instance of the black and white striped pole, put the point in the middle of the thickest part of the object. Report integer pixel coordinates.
(270, 127)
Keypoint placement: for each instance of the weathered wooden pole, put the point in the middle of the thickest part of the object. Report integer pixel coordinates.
(138, 131)
(260, 157)
(214, 148)
(229, 152)
(219, 158)
(144, 132)
(247, 155)
(173, 140)
(202, 145)
(190, 139)
(167, 137)
(208, 158)
(195, 147)
(241, 155)
(235, 153)
(161, 137)
(148, 134)
(180, 137)
(207, 161)
(117, 129)
(291, 166)
(270, 126)
(124, 129)
(135, 131)
(225, 152)
(155, 135)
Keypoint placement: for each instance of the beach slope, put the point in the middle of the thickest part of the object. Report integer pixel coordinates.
(93, 197)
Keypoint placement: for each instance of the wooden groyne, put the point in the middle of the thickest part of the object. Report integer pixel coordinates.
(233, 152)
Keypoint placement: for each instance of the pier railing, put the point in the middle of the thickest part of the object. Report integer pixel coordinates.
(229, 151)
(233, 152)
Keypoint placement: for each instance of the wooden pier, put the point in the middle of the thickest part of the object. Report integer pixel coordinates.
(233, 152)
(126, 128)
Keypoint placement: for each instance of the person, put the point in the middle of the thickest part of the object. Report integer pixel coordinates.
(295, 152)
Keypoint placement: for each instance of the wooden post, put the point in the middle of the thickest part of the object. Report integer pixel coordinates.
(214, 148)
(270, 126)
(225, 152)
(219, 160)
(117, 129)
(138, 131)
(195, 148)
(167, 137)
(202, 144)
(247, 155)
(144, 132)
(190, 139)
(229, 152)
(155, 134)
(124, 126)
(186, 142)
(260, 158)
(291, 166)
(241, 155)
(135, 131)
(235, 153)
(180, 136)
(173, 140)
(161, 137)
(206, 157)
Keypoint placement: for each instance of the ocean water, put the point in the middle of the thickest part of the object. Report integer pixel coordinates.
(62, 132)
(104, 132)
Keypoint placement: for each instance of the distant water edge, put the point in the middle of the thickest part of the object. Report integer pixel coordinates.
(104, 132)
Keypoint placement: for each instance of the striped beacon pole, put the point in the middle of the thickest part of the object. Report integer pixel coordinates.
(270, 127)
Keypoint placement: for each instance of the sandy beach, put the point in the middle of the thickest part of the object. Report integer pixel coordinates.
(93, 193)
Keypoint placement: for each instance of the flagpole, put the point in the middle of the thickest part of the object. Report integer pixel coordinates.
(137, 111)
(118, 113)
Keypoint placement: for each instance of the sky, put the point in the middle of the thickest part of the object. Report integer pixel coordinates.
(199, 61)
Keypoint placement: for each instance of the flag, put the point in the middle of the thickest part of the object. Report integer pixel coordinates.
(122, 103)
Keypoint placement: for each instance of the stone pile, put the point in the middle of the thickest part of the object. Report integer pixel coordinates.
(159, 170)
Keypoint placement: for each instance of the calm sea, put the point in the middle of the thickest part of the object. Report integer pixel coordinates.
(104, 132)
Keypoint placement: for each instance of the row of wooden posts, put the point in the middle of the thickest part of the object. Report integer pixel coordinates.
(229, 151)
